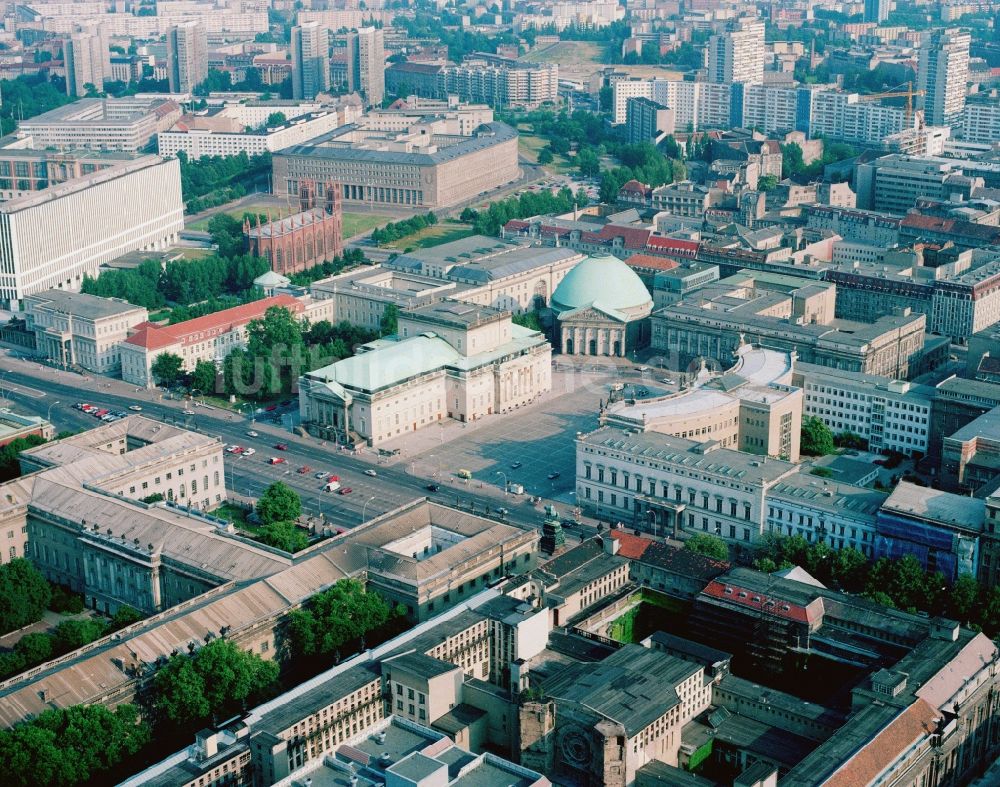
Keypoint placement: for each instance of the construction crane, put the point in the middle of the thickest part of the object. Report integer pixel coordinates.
(908, 94)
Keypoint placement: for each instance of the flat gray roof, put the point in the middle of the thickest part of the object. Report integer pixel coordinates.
(78, 304)
(326, 146)
(934, 505)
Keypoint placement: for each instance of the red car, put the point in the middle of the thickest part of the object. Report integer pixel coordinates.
(344, 490)
(280, 446)
(276, 460)
(272, 408)
(303, 470)
(333, 478)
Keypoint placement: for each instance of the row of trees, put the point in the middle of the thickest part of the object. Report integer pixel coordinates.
(278, 509)
(902, 583)
(182, 282)
(350, 259)
(10, 467)
(213, 180)
(71, 746)
(28, 96)
(393, 231)
(529, 203)
(343, 619)
(38, 647)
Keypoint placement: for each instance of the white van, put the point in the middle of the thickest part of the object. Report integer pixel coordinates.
(332, 486)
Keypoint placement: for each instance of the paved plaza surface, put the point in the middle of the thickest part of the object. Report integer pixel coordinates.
(525, 446)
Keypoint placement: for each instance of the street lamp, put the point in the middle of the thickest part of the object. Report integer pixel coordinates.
(365, 508)
(48, 416)
(504, 476)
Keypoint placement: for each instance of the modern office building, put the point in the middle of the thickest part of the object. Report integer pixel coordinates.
(127, 125)
(736, 54)
(981, 123)
(894, 183)
(423, 164)
(219, 136)
(187, 56)
(310, 60)
(892, 415)
(500, 82)
(366, 64)
(77, 330)
(136, 205)
(448, 360)
(943, 70)
(969, 457)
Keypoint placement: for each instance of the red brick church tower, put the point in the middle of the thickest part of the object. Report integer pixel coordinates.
(304, 239)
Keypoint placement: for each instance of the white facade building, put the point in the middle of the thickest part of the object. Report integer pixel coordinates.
(981, 123)
(943, 70)
(737, 53)
(206, 142)
(892, 415)
(53, 238)
(449, 360)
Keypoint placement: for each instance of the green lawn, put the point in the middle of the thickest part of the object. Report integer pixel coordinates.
(359, 223)
(197, 254)
(234, 513)
(529, 145)
(444, 232)
(201, 225)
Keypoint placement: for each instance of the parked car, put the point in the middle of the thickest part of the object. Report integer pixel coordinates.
(276, 460)
(553, 476)
(371, 473)
(252, 433)
(249, 451)
(344, 490)
(515, 465)
(281, 446)
(271, 408)
(303, 470)
(320, 474)
(233, 449)
(135, 408)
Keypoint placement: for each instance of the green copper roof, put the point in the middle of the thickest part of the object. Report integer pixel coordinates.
(603, 279)
(390, 364)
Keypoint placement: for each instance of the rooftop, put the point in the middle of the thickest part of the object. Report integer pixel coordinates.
(933, 505)
(634, 686)
(707, 457)
(78, 304)
(341, 145)
(418, 664)
(454, 314)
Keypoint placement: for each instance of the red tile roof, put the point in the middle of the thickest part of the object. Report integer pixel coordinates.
(635, 187)
(756, 600)
(154, 337)
(649, 261)
(632, 237)
(630, 546)
(680, 248)
(916, 723)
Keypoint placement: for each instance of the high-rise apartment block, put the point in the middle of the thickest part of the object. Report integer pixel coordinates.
(310, 60)
(942, 73)
(187, 56)
(736, 54)
(876, 10)
(366, 64)
(88, 62)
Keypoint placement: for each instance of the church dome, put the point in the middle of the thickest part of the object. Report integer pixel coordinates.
(603, 280)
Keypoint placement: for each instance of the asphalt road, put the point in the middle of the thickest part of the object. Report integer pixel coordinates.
(41, 390)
